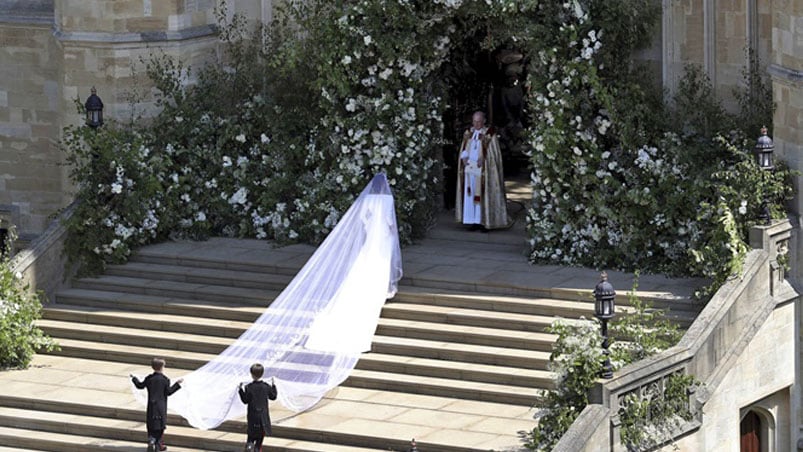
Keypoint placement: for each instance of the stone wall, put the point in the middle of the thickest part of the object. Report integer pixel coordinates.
(715, 36)
(52, 52)
(31, 171)
(748, 383)
(683, 37)
(786, 69)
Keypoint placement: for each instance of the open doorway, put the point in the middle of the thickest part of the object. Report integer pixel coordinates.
(491, 81)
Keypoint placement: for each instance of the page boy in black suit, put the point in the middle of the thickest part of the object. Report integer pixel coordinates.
(256, 395)
(159, 389)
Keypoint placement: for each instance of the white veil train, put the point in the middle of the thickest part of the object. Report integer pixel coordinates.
(310, 338)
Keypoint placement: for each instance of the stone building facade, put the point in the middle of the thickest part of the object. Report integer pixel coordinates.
(715, 35)
(52, 52)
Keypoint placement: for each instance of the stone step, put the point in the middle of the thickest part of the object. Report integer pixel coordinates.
(261, 256)
(205, 276)
(248, 314)
(154, 304)
(494, 337)
(177, 295)
(174, 289)
(89, 433)
(452, 351)
(14, 449)
(511, 376)
(453, 252)
(565, 303)
(568, 308)
(467, 317)
(402, 364)
(409, 346)
(489, 392)
(347, 416)
(30, 439)
(254, 256)
(48, 431)
(423, 314)
(127, 276)
(448, 387)
(145, 321)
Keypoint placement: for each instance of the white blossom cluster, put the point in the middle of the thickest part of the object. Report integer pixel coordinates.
(574, 179)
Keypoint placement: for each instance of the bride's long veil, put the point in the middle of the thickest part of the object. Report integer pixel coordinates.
(311, 336)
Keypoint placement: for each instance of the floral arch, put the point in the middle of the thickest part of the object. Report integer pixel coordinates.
(276, 140)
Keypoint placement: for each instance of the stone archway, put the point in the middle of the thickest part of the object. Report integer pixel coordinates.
(757, 430)
(491, 81)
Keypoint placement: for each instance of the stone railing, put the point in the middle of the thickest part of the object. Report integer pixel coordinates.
(42, 264)
(707, 351)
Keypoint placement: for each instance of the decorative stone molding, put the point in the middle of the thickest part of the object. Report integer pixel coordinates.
(784, 74)
(148, 36)
(648, 378)
(26, 11)
(774, 239)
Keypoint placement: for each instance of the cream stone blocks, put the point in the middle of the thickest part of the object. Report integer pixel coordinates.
(30, 161)
(762, 378)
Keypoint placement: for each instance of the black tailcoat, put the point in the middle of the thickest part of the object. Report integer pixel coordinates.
(256, 395)
(158, 389)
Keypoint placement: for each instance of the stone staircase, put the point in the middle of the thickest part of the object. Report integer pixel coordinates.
(458, 361)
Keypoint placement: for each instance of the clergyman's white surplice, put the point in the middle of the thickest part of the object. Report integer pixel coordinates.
(472, 208)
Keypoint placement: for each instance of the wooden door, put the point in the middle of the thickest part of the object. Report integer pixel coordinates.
(750, 428)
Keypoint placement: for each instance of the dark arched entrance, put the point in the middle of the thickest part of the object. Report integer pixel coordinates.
(750, 430)
(493, 82)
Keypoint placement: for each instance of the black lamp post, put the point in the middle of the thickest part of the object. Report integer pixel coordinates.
(94, 110)
(604, 310)
(764, 149)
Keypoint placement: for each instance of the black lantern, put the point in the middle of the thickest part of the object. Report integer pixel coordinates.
(94, 110)
(604, 310)
(764, 149)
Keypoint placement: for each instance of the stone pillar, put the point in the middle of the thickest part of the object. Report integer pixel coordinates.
(683, 34)
(786, 69)
(730, 56)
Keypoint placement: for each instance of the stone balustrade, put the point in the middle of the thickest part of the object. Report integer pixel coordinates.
(708, 350)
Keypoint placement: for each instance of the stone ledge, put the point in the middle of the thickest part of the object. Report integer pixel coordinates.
(148, 36)
(26, 11)
(785, 74)
(588, 432)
